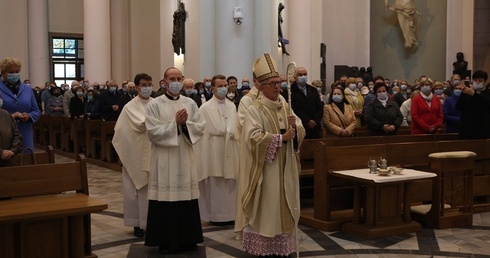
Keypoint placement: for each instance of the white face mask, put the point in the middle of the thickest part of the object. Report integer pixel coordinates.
(146, 91)
(230, 95)
(221, 91)
(175, 87)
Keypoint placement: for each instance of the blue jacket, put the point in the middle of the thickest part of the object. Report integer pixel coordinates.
(451, 114)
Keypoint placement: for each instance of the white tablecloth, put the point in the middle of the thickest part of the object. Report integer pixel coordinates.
(406, 175)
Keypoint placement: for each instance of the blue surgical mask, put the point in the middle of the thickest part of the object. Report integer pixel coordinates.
(403, 87)
(162, 86)
(456, 83)
(457, 93)
(79, 93)
(245, 84)
(337, 98)
(175, 87)
(146, 91)
(189, 92)
(319, 89)
(425, 90)
(409, 91)
(352, 87)
(302, 80)
(221, 91)
(112, 89)
(13, 78)
(207, 85)
(395, 92)
(382, 96)
(438, 92)
(201, 91)
(284, 85)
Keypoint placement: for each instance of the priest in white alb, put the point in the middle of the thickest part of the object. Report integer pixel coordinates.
(133, 148)
(174, 125)
(218, 156)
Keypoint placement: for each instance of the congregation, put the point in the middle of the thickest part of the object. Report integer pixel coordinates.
(213, 151)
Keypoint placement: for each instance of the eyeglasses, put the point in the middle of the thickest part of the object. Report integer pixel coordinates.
(273, 84)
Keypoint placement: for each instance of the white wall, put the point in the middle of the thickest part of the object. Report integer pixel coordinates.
(66, 16)
(346, 34)
(459, 33)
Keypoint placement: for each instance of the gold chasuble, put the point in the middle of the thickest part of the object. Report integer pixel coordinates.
(273, 182)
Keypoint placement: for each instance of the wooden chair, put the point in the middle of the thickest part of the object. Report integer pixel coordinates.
(452, 191)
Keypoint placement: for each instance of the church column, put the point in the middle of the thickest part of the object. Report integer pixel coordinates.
(97, 40)
(300, 34)
(38, 42)
(120, 54)
(231, 37)
(459, 32)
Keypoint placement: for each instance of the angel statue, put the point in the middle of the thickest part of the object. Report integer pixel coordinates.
(405, 10)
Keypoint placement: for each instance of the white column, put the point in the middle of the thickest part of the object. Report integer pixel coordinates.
(207, 39)
(97, 40)
(266, 29)
(38, 41)
(120, 53)
(459, 33)
(167, 9)
(234, 42)
(300, 34)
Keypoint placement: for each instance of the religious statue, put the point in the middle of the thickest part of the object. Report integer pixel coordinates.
(281, 40)
(405, 10)
(460, 66)
(178, 34)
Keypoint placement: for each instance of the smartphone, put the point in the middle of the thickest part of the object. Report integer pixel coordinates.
(467, 83)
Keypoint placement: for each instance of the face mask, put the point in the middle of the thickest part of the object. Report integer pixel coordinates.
(13, 78)
(478, 87)
(456, 83)
(245, 84)
(90, 88)
(352, 87)
(79, 93)
(230, 95)
(67, 88)
(28, 85)
(162, 86)
(409, 91)
(395, 84)
(438, 92)
(457, 93)
(359, 85)
(132, 92)
(425, 90)
(85, 84)
(90, 97)
(125, 90)
(174, 87)
(319, 89)
(337, 98)
(207, 85)
(146, 91)
(383, 96)
(221, 91)
(284, 85)
(201, 91)
(395, 92)
(189, 92)
(112, 89)
(302, 80)
(403, 87)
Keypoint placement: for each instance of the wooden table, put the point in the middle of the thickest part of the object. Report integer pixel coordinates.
(383, 200)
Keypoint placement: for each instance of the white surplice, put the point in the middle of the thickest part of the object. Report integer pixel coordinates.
(133, 148)
(217, 156)
(173, 174)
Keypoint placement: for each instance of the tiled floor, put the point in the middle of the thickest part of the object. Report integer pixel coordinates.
(110, 239)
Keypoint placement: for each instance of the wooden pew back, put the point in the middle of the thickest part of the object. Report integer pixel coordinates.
(27, 158)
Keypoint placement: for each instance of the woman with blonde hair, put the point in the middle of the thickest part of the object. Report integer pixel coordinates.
(426, 110)
(338, 115)
(354, 98)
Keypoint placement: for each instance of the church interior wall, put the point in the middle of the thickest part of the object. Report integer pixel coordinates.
(482, 35)
(391, 58)
(65, 16)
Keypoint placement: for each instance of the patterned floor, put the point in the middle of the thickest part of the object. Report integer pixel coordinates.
(110, 239)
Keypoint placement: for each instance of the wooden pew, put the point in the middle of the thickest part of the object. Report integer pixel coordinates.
(47, 211)
(92, 137)
(55, 131)
(65, 134)
(36, 158)
(78, 134)
(106, 133)
(45, 120)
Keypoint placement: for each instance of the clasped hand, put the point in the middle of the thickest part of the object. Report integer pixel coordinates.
(181, 116)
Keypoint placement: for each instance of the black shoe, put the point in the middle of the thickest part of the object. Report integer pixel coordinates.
(138, 232)
(222, 223)
(191, 247)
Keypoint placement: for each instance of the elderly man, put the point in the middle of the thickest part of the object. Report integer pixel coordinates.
(218, 174)
(174, 125)
(190, 91)
(67, 97)
(208, 93)
(306, 103)
(134, 149)
(272, 134)
(110, 107)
